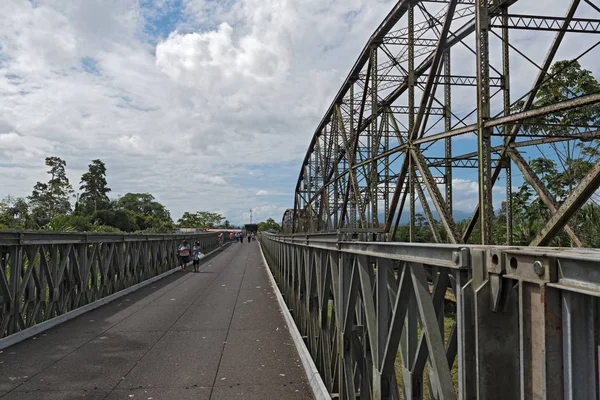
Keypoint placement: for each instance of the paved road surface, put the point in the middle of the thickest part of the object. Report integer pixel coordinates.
(217, 334)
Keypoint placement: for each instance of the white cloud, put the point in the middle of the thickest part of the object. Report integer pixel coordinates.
(214, 59)
(238, 85)
(210, 180)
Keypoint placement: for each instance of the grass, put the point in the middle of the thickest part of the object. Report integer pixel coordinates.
(449, 319)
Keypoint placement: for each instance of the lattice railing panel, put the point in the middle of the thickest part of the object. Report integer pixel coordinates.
(43, 275)
(386, 320)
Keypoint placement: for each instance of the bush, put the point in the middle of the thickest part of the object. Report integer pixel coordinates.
(124, 220)
(106, 229)
(81, 223)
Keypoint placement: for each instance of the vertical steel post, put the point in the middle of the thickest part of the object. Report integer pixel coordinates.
(352, 199)
(374, 181)
(580, 336)
(483, 114)
(411, 118)
(336, 134)
(448, 127)
(309, 210)
(506, 98)
(386, 187)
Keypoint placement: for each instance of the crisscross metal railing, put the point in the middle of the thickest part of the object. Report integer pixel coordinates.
(46, 274)
(387, 320)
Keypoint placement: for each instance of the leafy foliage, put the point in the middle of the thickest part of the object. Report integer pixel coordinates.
(94, 195)
(269, 225)
(49, 206)
(51, 199)
(200, 219)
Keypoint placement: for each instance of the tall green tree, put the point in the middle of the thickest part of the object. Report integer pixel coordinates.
(570, 160)
(200, 219)
(144, 204)
(269, 225)
(51, 199)
(94, 195)
(14, 213)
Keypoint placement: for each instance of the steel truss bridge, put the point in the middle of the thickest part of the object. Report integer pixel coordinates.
(450, 100)
(441, 89)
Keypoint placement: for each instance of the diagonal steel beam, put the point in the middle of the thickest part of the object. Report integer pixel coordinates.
(427, 211)
(586, 188)
(434, 70)
(357, 134)
(436, 196)
(528, 103)
(532, 178)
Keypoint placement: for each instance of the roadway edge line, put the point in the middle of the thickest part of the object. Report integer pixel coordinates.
(312, 373)
(51, 323)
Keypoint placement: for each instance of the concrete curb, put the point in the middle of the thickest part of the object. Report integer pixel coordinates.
(51, 323)
(314, 378)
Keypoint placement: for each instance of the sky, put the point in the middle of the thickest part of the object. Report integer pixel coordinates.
(209, 105)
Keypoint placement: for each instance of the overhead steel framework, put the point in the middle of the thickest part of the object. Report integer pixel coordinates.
(441, 87)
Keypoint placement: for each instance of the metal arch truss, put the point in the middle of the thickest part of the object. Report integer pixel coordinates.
(425, 77)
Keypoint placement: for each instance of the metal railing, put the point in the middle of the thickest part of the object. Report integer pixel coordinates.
(46, 274)
(525, 326)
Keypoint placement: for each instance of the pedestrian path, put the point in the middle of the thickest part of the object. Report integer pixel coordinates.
(216, 334)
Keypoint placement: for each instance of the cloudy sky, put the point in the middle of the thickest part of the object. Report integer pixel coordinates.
(206, 104)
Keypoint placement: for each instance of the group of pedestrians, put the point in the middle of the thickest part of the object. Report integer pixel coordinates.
(186, 251)
(239, 236)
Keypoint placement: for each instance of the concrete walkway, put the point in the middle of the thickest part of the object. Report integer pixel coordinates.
(217, 334)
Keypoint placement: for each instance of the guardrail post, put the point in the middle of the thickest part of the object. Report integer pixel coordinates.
(496, 339)
(16, 264)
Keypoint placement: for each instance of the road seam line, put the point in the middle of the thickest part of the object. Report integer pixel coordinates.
(203, 293)
(228, 330)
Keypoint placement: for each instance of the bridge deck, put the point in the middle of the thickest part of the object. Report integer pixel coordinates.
(217, 334)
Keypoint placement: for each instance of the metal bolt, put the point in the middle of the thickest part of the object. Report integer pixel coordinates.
(538, 268)
(456, 257)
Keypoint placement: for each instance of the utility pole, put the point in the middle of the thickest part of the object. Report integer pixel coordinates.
(250, 215)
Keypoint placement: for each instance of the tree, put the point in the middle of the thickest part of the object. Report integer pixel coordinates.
(51, 199)
(200, 219)
(124, 220)
(144, 204)
(94, 188)
(14, 213)
(268, 225)
(569, 164)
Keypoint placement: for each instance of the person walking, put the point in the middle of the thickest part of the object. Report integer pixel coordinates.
(242, 237)
(184, 254)
(197, 251)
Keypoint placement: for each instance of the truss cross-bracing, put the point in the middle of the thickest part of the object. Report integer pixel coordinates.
(442, 115)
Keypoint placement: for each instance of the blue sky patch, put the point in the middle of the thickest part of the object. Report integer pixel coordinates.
(90, 65)
(160, 22)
